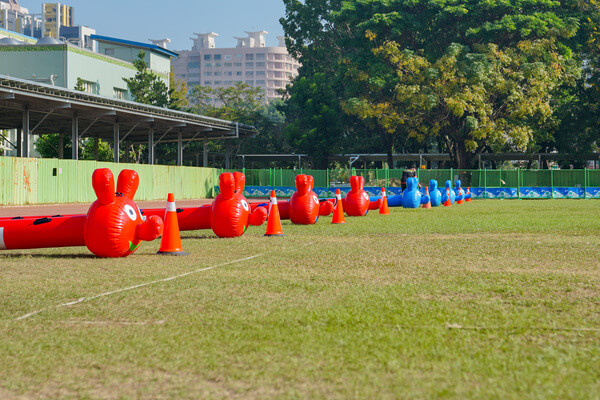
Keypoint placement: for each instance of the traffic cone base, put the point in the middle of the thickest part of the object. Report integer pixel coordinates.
(338, 212)
(273, 220)
(384, 209)
(170, 243)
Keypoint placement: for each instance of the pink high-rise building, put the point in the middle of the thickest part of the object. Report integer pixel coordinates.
(251, 61)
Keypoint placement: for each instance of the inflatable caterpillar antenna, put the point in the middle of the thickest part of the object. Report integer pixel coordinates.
(113, 226)
(229, 215)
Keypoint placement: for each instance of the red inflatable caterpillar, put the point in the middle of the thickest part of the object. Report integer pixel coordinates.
(228, 216)
(304, 207)
(113, 226)
(357, 202)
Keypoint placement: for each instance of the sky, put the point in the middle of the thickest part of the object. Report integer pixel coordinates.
(176, 19)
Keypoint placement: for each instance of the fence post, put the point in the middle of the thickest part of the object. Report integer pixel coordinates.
(585, 183)
(485, 183)
(519, 183)
(327, 181)
(271, 177)
(387, 177)
(451, 177)
(551, 183)
(281, 176)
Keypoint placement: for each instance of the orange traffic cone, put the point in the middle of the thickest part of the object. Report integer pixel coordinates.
(428, 205)
(170, 243)
(469, 194)
(384, 209)
(338, 212)
(447, 203)
(273, 221)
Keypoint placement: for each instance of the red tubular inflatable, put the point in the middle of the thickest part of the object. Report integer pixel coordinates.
(228, 216)
(357, 202)
(304, 207)
(113, 226)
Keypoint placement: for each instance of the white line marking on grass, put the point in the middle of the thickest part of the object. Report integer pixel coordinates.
(84, 299)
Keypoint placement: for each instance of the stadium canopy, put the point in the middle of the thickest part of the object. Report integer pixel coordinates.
(37, 109)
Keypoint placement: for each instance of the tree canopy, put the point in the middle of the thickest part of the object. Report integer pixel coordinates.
(455, 76)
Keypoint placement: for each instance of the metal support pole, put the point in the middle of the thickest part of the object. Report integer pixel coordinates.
(75, 138)
(179, 149)
(205, 153)
(26, 133)
(19, 142)
(61, 146)
(116, 141)
(151, 146)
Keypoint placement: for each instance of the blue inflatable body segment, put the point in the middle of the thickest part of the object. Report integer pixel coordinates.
(411, 197)
(393, 201)
(452, 194)
(434, 193)
(458, 190)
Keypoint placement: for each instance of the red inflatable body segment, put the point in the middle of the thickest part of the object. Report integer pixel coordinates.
(114, 225)
(228, 216)
(357, 201)
(42, 232)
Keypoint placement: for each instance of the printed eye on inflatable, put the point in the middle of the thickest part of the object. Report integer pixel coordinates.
(411, 197)
(434, 193)
(113, 226)
(357, 202)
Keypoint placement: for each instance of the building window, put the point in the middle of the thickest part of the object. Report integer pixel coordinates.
(88, 87)
(249, 57)
(207, 73)
(109, 52)
(278, 65)
(217, 73)
(217, 57)
(207, 57)
(196, 75)
(251, 83)
(208, 65)
(228, 73)
(194, 58)
(119, 93)
(238, 73)
(227, 65)
(217, 82)
(260, 73)
(249, 65)
(249, 73)
(227, 56)
(279, 57)
(238, 56)
(260, 65)
(237, 64)
(260, 56)
(218, 65)
(227, 82)
(207, 82)
(192, 65)
(260, 82)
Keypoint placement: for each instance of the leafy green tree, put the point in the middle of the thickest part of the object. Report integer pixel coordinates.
(465, 76)
(146, 87)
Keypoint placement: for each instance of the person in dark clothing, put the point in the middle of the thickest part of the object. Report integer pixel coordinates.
(408, 173)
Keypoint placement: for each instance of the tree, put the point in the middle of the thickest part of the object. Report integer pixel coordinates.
(146, 87)
(467, 76)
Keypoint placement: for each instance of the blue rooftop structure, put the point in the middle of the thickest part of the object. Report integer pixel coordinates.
(124, 42)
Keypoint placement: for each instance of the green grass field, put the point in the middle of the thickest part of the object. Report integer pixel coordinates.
(492, 299)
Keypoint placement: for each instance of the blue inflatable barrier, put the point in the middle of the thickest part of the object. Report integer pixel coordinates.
(434, 193)
(446, 191)
(411, 197)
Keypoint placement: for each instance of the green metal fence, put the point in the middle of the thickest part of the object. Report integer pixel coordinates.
(39, 181)
(46, 181)
(483, 178)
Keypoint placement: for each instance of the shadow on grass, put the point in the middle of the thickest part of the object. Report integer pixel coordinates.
(22, 255)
